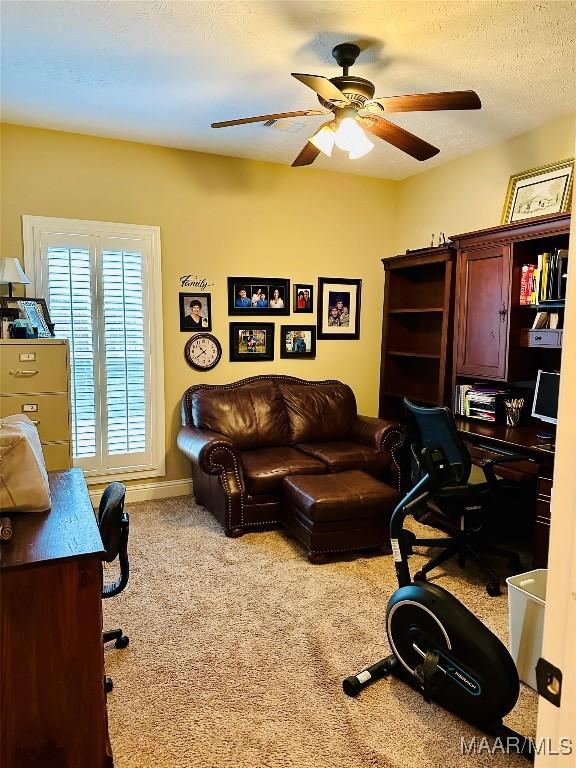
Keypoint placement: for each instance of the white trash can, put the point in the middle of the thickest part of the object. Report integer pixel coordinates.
(526, 601)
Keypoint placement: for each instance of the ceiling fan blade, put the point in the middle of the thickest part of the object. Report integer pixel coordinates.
(307, 156)
(264, 118)
(421, 102)
(322, 86)
(310, 151)
(398, 137)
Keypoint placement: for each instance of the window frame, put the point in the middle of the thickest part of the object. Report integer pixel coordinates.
(35, 230)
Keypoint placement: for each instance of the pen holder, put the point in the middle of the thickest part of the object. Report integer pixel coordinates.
(513, 411)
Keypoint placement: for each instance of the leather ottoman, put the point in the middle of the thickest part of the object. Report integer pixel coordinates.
(341, 512)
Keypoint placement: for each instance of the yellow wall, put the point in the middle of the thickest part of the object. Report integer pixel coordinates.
(468, 193)
(218, 216)
(221, 216)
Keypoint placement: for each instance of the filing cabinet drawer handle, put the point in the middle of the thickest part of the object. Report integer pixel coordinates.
(19, 372)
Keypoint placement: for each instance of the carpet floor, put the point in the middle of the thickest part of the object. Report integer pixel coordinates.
(238, 648)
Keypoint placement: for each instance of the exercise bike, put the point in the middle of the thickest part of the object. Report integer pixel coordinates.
(438, 646)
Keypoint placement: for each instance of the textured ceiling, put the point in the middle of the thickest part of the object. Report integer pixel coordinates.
(161, 72)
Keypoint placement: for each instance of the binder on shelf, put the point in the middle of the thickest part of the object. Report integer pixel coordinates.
(481, 401)
(553, 269)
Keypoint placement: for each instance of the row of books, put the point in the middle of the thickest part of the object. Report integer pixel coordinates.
(546, 280)
(478, 401)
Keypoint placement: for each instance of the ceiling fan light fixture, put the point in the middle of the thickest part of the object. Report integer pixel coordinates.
(324, 140)
(361, 148)
(351, 138)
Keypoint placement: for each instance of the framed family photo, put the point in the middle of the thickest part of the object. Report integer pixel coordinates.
(339, 308)
(298, 341)
(258, 296)
(251, 342)
(543, 190)
(303, 298)
(195, 312)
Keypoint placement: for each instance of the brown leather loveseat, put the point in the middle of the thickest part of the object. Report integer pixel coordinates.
(244, 438)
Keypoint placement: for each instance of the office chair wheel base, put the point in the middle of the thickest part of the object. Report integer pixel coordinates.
(493, 589)
(419, 576)
(122, 642)
(108, 684)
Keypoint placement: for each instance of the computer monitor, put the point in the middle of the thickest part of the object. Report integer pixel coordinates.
(545, 405)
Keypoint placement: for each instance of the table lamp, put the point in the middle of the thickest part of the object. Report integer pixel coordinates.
(11, 272)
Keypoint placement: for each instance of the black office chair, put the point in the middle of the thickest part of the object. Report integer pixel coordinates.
(114, 524)
(460, 509)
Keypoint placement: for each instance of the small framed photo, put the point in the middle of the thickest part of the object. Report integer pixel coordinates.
(195, 312)
(303, 298)
(251, 342)
(33, 310)
(7, 317)
(543, 190)
(258, 296)
(298, 341)
(339, 308)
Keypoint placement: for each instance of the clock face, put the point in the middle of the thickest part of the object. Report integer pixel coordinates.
(203, 351)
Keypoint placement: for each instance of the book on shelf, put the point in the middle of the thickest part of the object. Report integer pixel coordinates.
(554, 267)
(526, 284)
(460, 398)
(541, 320)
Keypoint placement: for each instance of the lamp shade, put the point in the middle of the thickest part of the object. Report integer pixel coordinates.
(12, 272)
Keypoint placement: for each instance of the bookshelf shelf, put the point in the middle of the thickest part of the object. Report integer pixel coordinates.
(549, 306)
(423, 355)
(420, 397)
(412, 310)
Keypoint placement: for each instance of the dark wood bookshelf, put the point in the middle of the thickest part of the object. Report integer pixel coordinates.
(416, 329)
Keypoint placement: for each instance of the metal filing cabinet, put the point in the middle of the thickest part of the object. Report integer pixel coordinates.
(35, 380)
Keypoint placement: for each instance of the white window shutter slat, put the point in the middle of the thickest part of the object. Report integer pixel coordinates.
(70, 299)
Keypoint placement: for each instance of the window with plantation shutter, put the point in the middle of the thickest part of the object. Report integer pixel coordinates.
(102, 285)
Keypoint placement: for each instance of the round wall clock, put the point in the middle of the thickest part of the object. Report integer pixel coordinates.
(203, 351)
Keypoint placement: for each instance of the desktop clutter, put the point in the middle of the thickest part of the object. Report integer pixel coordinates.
(501, 405)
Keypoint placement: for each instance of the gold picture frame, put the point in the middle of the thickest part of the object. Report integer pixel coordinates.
(539, 191)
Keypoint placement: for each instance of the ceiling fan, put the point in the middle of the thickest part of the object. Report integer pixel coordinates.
(352, 107)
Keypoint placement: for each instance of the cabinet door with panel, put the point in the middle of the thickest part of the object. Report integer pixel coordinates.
(483, 297)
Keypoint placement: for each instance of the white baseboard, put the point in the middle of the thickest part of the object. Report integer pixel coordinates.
(162, 489)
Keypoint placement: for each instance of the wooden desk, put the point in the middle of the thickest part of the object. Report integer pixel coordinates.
(53, 709)
(484, 440)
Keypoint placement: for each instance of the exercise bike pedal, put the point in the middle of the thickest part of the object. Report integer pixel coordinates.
(355, 683)
(419, 576)
(493, 589)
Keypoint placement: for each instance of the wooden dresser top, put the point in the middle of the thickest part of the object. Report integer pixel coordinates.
(68, 530)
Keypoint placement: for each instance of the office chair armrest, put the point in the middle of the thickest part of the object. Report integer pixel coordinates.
(487, 465)
(213, 452)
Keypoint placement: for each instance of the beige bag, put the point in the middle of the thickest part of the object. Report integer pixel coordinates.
(23, 477)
